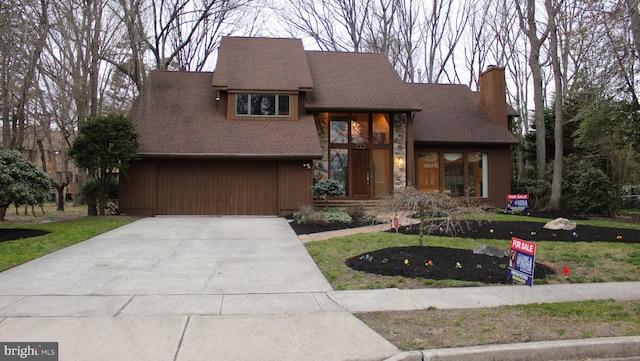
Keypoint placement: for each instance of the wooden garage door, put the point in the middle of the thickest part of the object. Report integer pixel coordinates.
(217, 188)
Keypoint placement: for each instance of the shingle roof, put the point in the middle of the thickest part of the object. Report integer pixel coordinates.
(262, 64)
(451, 114)
(177, 115)
(356, 81)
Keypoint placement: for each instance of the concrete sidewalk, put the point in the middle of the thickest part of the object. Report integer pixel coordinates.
(187, 288)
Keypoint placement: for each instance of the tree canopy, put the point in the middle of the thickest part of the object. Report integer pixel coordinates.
(21, 182)
(105, 146)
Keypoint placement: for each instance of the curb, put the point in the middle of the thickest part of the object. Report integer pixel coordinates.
(532, 351)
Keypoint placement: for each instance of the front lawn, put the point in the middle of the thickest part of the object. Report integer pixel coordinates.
(592, 261)
(62, 234)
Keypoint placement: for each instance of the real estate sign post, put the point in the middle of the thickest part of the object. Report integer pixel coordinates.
(518, 203)
(522, 261)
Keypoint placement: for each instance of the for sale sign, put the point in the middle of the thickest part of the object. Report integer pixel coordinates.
(522, 261)
(518, 203)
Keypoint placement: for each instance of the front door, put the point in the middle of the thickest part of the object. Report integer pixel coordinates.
(360, 173)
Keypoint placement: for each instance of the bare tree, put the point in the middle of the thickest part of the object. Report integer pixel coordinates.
(175, 34)
(25, 26)
(405, 49)
(536, 39)
(335, 25)
(443, 26)
(552, 8)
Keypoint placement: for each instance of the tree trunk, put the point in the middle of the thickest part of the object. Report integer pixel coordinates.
(59, 187)
(3, 213)
(530, 28)
(556, 182)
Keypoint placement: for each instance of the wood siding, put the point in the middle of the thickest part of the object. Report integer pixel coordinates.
(200, 187)
(295, 183)
(138, 189)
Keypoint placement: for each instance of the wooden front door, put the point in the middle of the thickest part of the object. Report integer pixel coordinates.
(360, 173)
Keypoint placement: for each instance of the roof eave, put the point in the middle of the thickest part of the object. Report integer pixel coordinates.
(465, 143)
(223, 156)
(322, 108)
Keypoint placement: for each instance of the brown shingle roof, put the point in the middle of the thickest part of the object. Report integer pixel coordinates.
(262, 64)
(356, 81)
(178, 116)
(451, 114)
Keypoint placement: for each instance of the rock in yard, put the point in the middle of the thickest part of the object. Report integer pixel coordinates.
(560, 224)
(492, 251)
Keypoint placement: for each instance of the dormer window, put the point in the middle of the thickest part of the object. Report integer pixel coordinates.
(262, 105)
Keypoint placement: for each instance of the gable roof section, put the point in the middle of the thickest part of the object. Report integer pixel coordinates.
(451, 114)
(356, 81)
(177, 115)
(262, 64)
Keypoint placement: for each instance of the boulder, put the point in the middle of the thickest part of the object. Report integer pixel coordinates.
(560, 224)
(492, 251)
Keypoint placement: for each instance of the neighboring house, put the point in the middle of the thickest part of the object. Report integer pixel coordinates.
(46, 151)
(251, 137)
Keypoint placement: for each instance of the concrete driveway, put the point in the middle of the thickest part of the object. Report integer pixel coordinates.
(184, 288)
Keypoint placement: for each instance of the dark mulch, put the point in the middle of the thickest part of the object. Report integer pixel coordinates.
(17, 233)
(438, 263)
(533, 231)
(315, 228)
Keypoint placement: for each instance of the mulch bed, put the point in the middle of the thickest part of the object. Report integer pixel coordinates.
(438, 263)
(533, 231)
(16, 233)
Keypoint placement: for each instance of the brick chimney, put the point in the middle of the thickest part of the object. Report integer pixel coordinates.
(493, 95)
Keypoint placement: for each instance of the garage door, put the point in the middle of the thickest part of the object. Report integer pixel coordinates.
(217, 188)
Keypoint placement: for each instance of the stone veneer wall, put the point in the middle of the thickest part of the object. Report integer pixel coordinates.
(399, 151)
(321, 167)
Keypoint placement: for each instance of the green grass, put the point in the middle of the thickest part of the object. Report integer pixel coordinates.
(63, 234)
(588, 261)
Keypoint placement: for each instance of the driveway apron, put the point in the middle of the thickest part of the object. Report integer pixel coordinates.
(184, 288)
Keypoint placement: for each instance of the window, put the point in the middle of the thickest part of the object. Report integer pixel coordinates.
(381, 129)
(262, 104)
(360, 153)
(339, 163)
(456, 173)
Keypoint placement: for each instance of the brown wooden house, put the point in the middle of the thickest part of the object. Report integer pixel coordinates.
(251, 137)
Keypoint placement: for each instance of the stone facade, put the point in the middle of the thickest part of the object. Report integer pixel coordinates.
(399, 151)
(321, 166)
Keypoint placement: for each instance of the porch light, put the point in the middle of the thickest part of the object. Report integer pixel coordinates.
(400, 162)
(306, 165)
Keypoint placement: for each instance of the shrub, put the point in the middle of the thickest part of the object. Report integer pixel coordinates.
(336, 215)
(538, 191)
(592, 193)
(358, 212)
(586, 189)
(327, 187)
(308, 215)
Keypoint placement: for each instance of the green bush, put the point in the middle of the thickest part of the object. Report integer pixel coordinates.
(336, 215)
(327, 187)
(308, 215)
(538, 190)
(592, 193)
